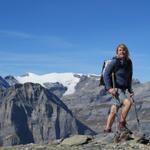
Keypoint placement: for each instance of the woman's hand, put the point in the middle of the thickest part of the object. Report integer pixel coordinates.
(113, 91)
(131, 94)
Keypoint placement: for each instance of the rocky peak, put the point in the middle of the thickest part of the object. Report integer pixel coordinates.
(11, 80)
(3, 83)
(32, 114)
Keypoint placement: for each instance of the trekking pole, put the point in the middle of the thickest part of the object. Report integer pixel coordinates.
(113, 84)
(136, 113)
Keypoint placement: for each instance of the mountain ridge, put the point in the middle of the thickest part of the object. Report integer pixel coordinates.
(90, 103)
(32, 114)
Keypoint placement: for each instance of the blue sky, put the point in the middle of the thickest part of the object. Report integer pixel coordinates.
(43, 36)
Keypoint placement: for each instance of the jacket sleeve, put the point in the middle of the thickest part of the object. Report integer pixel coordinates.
(130, 77)
(107, 74)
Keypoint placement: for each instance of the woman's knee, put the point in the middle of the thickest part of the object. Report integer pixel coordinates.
(113, 110)
(128, 103)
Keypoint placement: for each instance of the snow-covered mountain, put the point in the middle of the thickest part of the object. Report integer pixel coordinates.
(68, 80)
(89, 102)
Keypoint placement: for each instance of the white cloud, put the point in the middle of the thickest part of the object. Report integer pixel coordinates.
(48, 40)
(15, 34)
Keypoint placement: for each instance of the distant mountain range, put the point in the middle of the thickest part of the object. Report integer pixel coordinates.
(79, 93)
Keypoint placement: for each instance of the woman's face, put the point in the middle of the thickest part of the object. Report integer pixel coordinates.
(121, 53)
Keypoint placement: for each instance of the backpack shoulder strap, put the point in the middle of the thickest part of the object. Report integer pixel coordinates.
(116, 67)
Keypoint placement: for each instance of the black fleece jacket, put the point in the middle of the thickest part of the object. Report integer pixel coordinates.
(123, 71)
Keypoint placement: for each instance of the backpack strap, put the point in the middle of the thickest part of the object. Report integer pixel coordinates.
(116, 67)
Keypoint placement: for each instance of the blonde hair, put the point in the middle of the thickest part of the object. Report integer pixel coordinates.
(125, 48)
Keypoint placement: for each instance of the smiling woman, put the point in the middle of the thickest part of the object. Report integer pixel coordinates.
(121, 68)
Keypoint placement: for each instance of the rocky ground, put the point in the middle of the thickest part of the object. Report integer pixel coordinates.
(82, 142)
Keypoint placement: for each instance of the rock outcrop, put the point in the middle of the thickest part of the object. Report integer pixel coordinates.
(81, 142)
(29, 113)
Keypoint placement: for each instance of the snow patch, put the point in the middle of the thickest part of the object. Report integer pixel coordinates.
(67, 79)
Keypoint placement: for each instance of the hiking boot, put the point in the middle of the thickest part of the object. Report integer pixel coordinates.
(122, 127)
(107, 130)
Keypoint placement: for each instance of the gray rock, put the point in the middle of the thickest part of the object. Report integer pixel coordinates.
(76, 140)
(107, 138)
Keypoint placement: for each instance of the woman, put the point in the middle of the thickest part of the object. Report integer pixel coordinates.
(121, 65)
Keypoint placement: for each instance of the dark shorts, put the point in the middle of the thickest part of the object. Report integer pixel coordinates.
(118, 101)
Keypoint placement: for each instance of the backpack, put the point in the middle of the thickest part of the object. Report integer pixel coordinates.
(105, 64)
